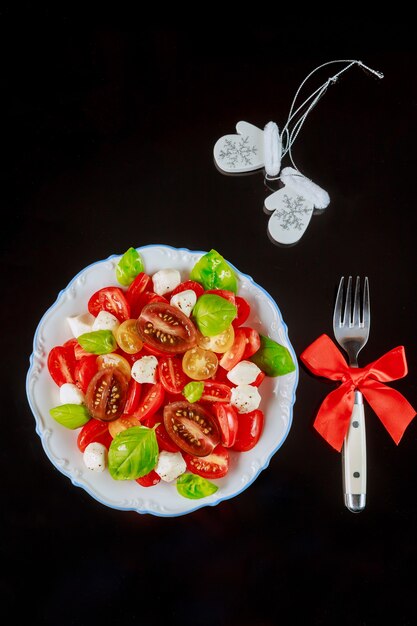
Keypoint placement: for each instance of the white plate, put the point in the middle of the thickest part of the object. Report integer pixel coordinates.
(60, 443)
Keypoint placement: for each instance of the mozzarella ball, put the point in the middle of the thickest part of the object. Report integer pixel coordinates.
(144, 369)
(245, 398)
(105, 321)
(70, 394)
(95, 457)
(244, 373)
(165, 281)
(80, 324)
(184, 301)
(170, 465)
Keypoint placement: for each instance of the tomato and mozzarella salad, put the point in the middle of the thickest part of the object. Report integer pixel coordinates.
(163, 376)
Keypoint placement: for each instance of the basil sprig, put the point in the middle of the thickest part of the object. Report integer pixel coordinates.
(195, 487)
(213, 314)
(129, 266)
(70, 415)
(272, 358)
(213, 272)
(98, 342)
(133, 453)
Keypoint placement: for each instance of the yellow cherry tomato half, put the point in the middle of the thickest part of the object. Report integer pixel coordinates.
(114, 360)
(199, 364)
(122, 423)
(127, 337)
(219, 343)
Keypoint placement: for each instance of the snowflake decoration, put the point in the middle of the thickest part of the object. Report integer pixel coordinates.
(291, 213)
(237, 152)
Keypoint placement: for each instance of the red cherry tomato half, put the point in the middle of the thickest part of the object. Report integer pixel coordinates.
(133, 397)
(223, 293)
(164, 440)
(227, 420)
(94, 431)
(166, 328)
(249, 430)
(235, 353)
(61, 365)
(84, 371)
(152, 400)
(253, 341)
(216, 392)
(188, 284)
(243, 311)
(221, 377)
(141, 283)
(106, 394)
(111, 299)
(171, 374)
(191, 427)
(214, 465)
(149, 480)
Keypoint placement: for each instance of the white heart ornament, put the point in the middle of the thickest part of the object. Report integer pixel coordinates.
(244, 152)
(292, 206)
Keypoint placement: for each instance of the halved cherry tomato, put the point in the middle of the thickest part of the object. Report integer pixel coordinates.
(106, 394)
(253, 341)
(114, 360)
(141, 283)
(249, 430)
(221, 377)
(84, 371)
(61, 365)
(152, 400)
(151, 350)
(216, 392)
(199, 364)
(227, 420)
(191, 427)
(122, 423)
(214, 465)
(146, 298)
(78, 352)
(243, 311)
(164, 440)
(171, 374)
(149, 480)
(188, 284)
(94, 431)
(166, 328)
(127, 337)
(220, 343)
(223, 293)
(133, 396)
(111, 299)
(235, 354)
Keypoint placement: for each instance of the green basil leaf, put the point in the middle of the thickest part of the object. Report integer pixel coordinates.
(129, 266)
(213, 314)
(195, 487)
(213, 272)
(98, 342)
(70, 415)
(133, 453)
(193, 391)
(272, 358)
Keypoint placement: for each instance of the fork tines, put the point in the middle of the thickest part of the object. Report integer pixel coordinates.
(353, 316)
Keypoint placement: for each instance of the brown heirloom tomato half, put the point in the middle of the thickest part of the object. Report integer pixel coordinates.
(166, 328)
(191, 427)
(106, 394)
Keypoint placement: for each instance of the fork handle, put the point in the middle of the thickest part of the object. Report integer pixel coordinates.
(354, 459)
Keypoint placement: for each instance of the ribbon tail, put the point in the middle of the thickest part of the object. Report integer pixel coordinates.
(394, 411)
(333, 417)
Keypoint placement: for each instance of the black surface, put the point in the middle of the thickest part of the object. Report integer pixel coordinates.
(108, 140)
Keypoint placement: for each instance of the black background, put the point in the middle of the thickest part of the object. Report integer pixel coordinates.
(108, 134)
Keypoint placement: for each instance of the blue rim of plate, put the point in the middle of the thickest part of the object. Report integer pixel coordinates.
(202, 503)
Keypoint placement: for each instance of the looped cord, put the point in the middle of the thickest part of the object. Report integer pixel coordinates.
(297, 116)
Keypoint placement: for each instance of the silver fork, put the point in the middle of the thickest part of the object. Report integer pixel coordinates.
(351, 330)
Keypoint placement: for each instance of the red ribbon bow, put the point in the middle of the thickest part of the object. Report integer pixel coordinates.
(323, 358)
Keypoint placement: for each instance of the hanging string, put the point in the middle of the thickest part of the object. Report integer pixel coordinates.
(288, 136)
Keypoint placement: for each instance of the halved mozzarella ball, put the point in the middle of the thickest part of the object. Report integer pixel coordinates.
(184, 301)
(165, 281)
(245, 398)
(244, 373)
(81, 324)
(105, 321)
(70, 394)
(144, 369)
(170, 465)
(95, 457)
